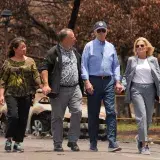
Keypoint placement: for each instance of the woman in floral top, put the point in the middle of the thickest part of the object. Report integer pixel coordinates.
(19, 79)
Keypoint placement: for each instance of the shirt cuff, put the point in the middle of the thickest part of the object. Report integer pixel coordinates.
(84, 77)
(117, 78)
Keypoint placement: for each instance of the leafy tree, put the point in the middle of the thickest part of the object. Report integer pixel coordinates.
(39, 22)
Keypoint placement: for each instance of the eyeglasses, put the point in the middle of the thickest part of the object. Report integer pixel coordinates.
(141, 45)
(101, 30)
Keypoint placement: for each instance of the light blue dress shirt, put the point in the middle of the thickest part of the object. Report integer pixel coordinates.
(100, 59)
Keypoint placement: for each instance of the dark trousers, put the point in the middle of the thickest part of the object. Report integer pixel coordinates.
(17, 115)
(103, 90)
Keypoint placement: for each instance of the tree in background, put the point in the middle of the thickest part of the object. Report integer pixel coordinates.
(74, 14)
(39, 21)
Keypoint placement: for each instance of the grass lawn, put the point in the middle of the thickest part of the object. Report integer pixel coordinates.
(127, 131)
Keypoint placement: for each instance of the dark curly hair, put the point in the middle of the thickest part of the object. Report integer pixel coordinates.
(15, 44)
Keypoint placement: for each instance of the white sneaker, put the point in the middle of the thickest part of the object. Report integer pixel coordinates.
(145, 151)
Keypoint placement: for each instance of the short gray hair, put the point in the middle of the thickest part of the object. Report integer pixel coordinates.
(63, 34)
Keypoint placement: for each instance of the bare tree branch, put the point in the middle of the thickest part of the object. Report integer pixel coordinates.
(74, 14)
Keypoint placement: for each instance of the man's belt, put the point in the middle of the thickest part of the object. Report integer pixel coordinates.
(100, 77)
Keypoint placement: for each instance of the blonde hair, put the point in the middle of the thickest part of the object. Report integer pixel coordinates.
(148, 44)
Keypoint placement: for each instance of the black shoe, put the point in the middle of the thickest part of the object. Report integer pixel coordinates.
(114, 149)
(139, 144)
(93, 147)
(73, 146)
(18, 148)
(58, 148)
(8, 146)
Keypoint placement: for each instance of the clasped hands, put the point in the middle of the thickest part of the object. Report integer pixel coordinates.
(45, 89)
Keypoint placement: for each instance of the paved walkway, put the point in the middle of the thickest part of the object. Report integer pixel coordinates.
(42, 149)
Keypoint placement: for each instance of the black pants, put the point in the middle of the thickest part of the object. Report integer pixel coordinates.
(17, 116)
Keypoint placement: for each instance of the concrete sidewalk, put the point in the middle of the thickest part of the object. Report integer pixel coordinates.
(42, 149)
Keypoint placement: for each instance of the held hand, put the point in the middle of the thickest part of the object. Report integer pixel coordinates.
(119, 88)
(46, 89)
(1, 100)
(41, 86)
(89, 87)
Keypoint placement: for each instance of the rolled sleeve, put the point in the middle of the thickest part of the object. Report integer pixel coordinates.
(47, 62)
(84, 63)
(44, 65)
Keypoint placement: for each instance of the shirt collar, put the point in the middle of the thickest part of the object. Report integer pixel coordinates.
(65, 50)
(100, 42)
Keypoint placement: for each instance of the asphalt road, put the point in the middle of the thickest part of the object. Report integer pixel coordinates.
(42, 149)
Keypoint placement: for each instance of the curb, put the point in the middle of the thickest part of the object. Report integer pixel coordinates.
(156, 141)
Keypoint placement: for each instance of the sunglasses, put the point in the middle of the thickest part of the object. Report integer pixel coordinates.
(101, 30)
(141, 45)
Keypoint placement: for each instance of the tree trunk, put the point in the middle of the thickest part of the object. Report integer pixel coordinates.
(74, 14)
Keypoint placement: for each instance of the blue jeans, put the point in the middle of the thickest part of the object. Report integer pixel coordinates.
(103, 90)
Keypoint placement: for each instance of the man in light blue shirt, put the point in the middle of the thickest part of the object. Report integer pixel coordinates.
(101, 75)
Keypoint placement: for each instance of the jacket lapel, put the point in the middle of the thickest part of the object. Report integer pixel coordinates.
(151, 63)
(134, 63)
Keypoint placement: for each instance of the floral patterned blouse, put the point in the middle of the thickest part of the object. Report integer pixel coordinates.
(19, 78)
